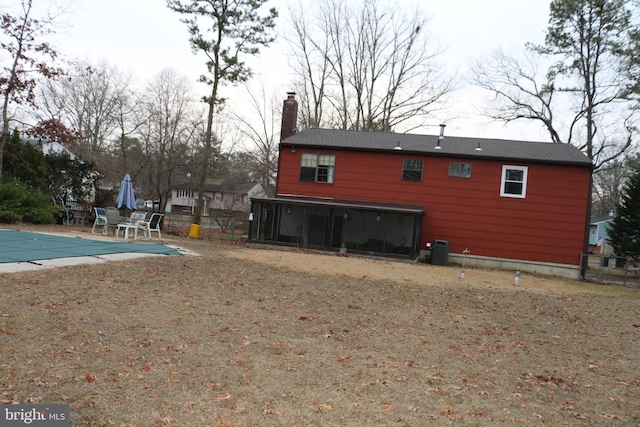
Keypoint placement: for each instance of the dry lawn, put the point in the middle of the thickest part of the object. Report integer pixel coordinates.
(252, 337)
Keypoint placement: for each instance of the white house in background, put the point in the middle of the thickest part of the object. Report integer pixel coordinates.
(76, 207)
(50, 147)
(221, 196)
(56, 148)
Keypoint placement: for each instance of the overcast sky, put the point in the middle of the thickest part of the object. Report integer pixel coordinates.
(144, 37)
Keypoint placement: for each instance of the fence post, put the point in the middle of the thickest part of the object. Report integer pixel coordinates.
(233, 227)
(600, 269)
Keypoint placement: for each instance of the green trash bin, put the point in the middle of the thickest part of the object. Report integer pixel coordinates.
(440, 252)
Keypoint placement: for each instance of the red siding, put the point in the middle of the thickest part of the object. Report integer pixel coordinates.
(547, 226)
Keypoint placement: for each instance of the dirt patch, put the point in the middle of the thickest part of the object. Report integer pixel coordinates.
(420, 274)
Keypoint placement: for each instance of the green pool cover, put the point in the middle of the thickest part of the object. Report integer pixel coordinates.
(25, 246)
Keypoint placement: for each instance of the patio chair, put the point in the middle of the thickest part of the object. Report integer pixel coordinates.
(152, 225)
(101, 219)
(113, 219)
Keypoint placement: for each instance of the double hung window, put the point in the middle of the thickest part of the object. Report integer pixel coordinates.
(514, 181)
(412, 170)
(317, 168)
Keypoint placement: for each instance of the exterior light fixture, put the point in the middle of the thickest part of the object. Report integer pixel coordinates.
(288, 209)
(346, 215)
(397, 147)
(378, 218)
(478, 148)
(293, 149)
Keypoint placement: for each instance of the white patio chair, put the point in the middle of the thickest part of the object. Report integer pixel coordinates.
(152, 225)
(101, 219)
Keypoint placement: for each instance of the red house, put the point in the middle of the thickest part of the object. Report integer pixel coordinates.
(495, 203)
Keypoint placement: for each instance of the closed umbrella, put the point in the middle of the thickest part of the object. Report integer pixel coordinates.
(126, 198)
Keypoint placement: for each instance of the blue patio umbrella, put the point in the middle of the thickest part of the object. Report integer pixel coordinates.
(126, 198)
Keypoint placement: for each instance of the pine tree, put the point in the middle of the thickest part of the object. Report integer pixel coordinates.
(226, 32)
(624, 232)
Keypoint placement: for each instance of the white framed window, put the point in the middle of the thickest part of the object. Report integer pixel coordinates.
(317, 168)
(185, 194)
(514, 181)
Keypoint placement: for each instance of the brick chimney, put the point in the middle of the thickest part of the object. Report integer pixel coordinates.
(289, 116)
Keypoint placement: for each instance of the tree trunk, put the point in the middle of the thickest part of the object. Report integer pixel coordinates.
(206, 154)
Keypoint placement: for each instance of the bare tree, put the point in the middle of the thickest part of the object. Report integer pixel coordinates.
(167, 135)
(261, 155)
(313, 67)
(129, 117)
(581, 99)
(90, 99)
(367, 66)
(518, 91)
(607, 186)
(29, 56)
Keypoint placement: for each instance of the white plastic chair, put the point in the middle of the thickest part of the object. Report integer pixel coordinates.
(152, 225)
(101, 219)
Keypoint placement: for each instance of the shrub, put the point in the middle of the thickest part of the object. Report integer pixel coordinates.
(21, 203)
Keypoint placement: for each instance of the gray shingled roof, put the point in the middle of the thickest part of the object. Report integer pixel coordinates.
(452, 146)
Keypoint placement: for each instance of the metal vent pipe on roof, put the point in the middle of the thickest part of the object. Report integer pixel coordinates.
(441, 137)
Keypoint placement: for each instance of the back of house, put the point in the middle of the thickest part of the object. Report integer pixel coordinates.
(495, 203)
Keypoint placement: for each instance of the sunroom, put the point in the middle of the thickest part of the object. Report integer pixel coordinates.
(329, 224)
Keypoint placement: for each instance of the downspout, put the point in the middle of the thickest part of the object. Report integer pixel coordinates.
(278, 171)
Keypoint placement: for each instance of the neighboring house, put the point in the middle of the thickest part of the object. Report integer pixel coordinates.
(495, 203)
(599, 232)
(50, 147)
(78, 208)
(56, 148)
(220, 196)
